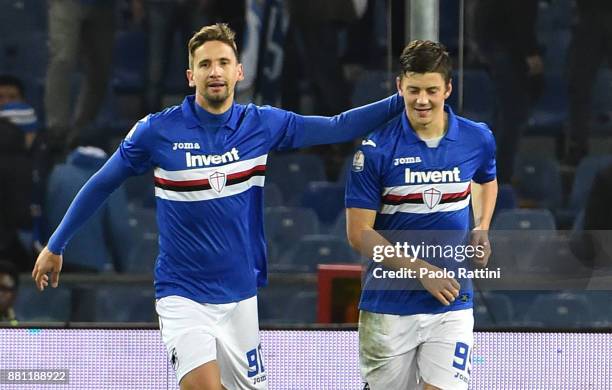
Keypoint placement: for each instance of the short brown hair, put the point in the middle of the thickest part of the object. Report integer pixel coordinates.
(215, 32)
(424, 57)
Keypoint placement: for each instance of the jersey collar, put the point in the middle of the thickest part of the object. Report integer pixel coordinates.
(192, 120)
(453, 128)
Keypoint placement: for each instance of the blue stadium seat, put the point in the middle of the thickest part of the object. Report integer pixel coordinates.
(492, 309)
(599, 302)
(325, 198)
(518, 236)
(53, 304)
(339, 228)
(125, 304)
(312, 250)
(143, 222)
(141, 190)
(372, 86)
(285, 225)
(583, 180)
(104, 238)
(506, 198)
(524, 219)
(272, 196)
(25, 56)
(538, 182)
(20, 17)
(562, 310)
(345, 170)
(142, 257)
(303, 309)
(550, 110)
(478, 95)
(292, 173)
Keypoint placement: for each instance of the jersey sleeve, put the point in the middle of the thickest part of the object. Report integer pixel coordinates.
(363, 186)
(135, 149)
(487, 170)
(289, 130)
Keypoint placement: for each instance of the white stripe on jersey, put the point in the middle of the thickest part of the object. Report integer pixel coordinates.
(204, 173)
(445, 188)
(421, 208)
(194, 196)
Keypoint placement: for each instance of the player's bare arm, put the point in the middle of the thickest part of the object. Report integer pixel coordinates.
(363, 238)
(483, 203)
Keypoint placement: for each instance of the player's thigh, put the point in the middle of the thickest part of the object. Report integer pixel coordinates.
(204, 377)
(188, 333)
(387, 351)
(239, 351)
(444, 360)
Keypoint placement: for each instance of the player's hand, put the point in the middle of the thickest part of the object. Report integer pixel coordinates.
(444, 290)
(480, 237)
(47, 262)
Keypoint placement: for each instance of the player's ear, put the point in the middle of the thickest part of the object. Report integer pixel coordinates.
(449, 89)
(189, 74)
(240, 71)
(398, 84)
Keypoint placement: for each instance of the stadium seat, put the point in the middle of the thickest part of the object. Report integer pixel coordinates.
(372, 86)
(325, 198)
(583, 180)
(285, 225)
(550, 110)
(524, 219)
(292, 173)
(52, 305)
(141, 190)
(506, 198)
(20, 17)
(492, 309)
(478, 95)
(286, 303)
(599, 302)
(272, 196)
(339, 227)
(538, 182)
(312, 250)
(345, 170)
(142, 257)
(562, 310)
(518, 237)
(96, 245)
(125, 304)
(143, 222)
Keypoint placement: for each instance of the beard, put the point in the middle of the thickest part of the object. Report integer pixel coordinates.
(216, 99)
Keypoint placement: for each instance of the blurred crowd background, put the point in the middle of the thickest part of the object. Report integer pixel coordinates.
(75, 75)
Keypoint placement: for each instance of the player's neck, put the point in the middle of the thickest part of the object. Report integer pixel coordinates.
(214, 109)
(431, 130)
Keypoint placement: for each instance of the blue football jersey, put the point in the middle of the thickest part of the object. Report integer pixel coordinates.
(415, 187)
(209, 173)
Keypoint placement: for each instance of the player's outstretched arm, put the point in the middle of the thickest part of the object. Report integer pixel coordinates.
(85, 204)
(351, 124)
(290, 130)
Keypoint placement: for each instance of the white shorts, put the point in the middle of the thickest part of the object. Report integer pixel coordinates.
(402, 352)
(197, 333)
